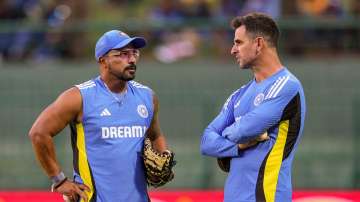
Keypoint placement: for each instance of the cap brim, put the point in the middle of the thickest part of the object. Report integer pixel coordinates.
(137, 42)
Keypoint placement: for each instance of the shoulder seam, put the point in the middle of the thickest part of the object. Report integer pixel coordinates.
(87, 84)
(276, 87)
(230, 97)
(138, 85)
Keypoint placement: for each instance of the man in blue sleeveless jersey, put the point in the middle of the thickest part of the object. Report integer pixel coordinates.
(272, 102)
(109, 117)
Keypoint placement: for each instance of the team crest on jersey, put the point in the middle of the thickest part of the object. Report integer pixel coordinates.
(142, 111)
(258, 99)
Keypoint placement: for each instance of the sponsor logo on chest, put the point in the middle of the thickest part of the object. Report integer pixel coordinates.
(123, 132)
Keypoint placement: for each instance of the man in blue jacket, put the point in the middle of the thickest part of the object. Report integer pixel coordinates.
(272, 102)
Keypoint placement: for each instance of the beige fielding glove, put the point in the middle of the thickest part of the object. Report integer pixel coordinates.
(158, 166)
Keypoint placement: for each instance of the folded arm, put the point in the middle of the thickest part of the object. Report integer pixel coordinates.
(259, 120)
(212, 142)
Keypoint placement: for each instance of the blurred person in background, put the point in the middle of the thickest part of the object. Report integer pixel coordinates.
(45, 38)
(355, 32)
(322, 38)
(174, 45)
(177, 46)
(108, 116)
(269, 7)
(272, 102)
(316, 8)
(228, 8)
(167, 10)
(14, 45)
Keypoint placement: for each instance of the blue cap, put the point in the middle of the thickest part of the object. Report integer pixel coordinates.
(116, 39)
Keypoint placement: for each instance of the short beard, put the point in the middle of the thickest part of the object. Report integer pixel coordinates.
(122, 76)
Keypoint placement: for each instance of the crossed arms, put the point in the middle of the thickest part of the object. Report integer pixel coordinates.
(224, 136)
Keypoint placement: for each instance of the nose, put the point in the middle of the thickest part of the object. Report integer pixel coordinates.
(132, 58)
(233, 50)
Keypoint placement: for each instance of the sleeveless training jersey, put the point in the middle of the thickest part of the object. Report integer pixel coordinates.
(107, 144)
(262, 172)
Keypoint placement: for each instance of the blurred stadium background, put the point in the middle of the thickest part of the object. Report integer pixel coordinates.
(47, 46)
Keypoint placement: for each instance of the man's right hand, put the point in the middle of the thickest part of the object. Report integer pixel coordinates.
(71, 191)
(260, 138)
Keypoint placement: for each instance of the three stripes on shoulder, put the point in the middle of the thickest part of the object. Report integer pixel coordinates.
(276, 87)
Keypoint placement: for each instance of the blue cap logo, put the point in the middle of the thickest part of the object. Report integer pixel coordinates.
(123, 34)
(116, 39)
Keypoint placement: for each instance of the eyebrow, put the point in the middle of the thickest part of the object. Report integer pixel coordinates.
(128, 49)
(237, 41)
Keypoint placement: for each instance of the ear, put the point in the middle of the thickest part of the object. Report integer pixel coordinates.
(260, 43)
(101, 60)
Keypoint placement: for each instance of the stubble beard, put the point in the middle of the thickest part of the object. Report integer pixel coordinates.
(249, 64)
(122, 75)
(245, 66)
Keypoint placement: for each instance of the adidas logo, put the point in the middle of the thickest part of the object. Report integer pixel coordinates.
(105, 112)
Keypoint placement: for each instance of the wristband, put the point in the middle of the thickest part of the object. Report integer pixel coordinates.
(57, 181)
